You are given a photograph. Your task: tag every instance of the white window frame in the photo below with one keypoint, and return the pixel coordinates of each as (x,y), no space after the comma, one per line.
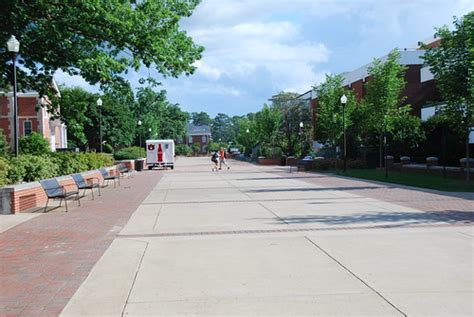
(24,127)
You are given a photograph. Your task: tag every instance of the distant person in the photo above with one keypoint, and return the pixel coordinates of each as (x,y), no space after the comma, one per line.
(222,158)
(215,160)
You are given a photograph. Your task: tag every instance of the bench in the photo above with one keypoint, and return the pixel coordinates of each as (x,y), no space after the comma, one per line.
(54,190)
(107,177)
(81,183)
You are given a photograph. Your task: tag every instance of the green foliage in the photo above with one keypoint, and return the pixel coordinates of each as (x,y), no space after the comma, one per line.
(324,164)
(35,144)
(30,168)
(213,146)
(195,148)
(330,123)
(98,40)
(183,149)
(201,118)
(4,169)
(4,148)
(130,153)
(452,64)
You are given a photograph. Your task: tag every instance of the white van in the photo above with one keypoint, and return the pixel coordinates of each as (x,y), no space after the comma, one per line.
(160,153)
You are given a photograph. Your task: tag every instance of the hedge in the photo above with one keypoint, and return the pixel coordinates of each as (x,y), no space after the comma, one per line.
(130,153)
(28,167)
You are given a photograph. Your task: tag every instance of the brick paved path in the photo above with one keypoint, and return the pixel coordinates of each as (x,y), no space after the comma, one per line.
(44,260)
(424,200)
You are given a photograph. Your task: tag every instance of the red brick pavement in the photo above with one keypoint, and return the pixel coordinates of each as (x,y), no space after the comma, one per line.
(429,201)
(44,261)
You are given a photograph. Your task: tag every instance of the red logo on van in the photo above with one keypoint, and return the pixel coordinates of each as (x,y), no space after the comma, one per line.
(160,153)
(151,147)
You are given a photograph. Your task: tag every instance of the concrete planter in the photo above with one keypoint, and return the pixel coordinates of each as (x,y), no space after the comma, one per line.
(463,163)
(389,161)
(405,160)
(268,161)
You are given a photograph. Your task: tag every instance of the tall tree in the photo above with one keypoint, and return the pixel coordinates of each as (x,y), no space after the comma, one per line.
(222,129)
(293,111)
(201,118)
(383,100)
(452,64)
(330,123)
(99,40)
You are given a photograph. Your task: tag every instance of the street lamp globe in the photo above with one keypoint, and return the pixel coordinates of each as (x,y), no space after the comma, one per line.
(99,102)
(139,122)
(13,44)
(247,130)
(301,124)
(343,99)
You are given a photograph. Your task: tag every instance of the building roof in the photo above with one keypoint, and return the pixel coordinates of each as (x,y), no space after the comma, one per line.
(199,129)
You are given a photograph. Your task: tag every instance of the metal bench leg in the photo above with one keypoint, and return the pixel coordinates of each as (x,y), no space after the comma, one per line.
(98,187)
(46,207)
(65,202)
(92,190)
(78,199)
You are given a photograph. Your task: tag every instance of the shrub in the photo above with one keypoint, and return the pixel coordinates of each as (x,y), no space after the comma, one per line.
(324,164)
(212,147)
(356,164)
(29,168)
(195,148)
(183,149)
(35,143)
(4,168)
(130,153)
(4,148)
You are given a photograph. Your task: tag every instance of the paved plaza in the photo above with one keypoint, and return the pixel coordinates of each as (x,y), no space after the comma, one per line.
(247,241)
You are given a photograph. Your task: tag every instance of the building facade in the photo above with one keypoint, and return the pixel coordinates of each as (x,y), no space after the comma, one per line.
(200,135)
(32,117)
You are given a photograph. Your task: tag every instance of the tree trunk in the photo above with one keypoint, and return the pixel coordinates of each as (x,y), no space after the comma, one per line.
(467,156)
(380,150)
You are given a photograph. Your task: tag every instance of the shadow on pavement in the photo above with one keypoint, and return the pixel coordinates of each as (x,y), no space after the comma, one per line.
(310,189)
(408,218)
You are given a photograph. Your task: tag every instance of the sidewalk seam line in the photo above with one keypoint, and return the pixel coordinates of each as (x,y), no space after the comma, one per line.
(134,279)
(356,276)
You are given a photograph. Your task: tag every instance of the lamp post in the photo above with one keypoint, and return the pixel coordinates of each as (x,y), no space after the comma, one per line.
(13,46)
(140,132)
(149,132)
(343,102)
(99,104)
(301,136)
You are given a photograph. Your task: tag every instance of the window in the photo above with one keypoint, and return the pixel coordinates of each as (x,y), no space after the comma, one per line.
(26,128)
(190,140)
(203,139)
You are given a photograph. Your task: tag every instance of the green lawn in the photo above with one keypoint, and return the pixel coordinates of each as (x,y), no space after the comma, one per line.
(424,181)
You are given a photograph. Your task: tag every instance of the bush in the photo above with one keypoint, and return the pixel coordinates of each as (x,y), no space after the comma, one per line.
(4,148)
(325,164)
(195,148)
(4,168)
(183,149)
(130,153)
(35,143)
(356,164)
(29,168)
(213,146)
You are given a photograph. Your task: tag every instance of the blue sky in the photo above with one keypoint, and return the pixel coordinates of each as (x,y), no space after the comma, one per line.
(257,48)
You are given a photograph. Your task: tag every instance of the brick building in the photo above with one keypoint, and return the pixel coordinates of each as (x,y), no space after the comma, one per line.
(200,135)
(420,90)
(32,117)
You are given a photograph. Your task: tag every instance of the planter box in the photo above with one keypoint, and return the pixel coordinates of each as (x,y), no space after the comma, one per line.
(268,161)
(28,196)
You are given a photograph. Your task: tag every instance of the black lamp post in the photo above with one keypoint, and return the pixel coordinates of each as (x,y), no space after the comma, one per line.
(14,47)
(343,102)
(302,138)
(140,132)
(99,104)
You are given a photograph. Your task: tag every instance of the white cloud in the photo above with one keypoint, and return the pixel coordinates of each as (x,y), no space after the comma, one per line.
(73,81)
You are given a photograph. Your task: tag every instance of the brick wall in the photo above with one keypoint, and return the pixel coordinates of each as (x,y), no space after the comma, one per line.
(24,197)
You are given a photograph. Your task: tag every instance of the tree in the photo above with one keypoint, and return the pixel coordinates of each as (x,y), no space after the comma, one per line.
(99,40)
(201,118)
(221,128)
(267,124)
(330,124)
(4,148)
(293,111)
(35,144)
(383,99)
(452,64)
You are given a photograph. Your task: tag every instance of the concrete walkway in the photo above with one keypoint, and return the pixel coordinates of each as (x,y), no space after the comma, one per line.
(254,241)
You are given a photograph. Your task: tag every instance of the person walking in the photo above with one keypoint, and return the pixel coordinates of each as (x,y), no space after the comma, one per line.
(222,159)
(215,160)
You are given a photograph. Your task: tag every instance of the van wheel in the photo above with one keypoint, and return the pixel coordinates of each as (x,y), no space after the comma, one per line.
(150,167)
(172,167)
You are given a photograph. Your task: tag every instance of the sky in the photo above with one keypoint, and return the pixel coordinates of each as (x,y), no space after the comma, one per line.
(257,48)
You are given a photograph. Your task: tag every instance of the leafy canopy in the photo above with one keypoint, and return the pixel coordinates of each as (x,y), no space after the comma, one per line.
(99,40)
